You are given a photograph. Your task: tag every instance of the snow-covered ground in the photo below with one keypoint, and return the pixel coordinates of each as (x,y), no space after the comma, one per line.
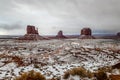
(54,57)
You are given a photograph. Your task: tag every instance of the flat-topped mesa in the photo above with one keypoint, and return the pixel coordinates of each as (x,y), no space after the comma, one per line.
(31,30)
(86,33)
(31,34)
(60,35)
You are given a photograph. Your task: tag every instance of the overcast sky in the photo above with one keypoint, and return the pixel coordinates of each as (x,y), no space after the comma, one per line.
(50,16)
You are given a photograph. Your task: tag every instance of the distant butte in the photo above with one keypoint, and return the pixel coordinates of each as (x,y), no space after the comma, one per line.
(31,34)
(86,33)
(31,30)
(118,34)
(60,35)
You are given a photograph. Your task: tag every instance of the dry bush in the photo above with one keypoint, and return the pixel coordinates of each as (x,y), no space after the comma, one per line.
(36,66)
(55,78)
(66,75)
(82,72)
(78,71)
(101,75)
(116,66)
(31,75)
(105,69)
(114,77)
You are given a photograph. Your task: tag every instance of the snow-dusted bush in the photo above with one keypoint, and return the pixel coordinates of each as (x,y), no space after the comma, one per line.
(106,69)
(31,75)
(101,75)
(81,72)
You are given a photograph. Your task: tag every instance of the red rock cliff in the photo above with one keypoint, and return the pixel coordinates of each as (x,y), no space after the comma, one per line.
(31,30)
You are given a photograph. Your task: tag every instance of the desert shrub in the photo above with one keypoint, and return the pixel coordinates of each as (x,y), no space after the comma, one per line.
(114,77)
(101,75)
(36,66)
(66,75)
(31,75)
(82,72)
(55,78)
(106,69)
(116,66)
(89,74)
(78,71)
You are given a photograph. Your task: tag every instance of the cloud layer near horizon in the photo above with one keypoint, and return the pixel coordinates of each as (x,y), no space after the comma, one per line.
(53,15)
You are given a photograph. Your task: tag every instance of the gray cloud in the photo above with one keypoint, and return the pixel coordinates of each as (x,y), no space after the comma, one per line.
(69,15)
(10,26)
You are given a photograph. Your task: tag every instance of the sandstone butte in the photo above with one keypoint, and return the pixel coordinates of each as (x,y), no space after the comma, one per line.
(60,35)
(86,33)
(31,34)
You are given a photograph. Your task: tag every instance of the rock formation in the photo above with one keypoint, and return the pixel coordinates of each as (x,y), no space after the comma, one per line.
(86,33)
(118,34)
(31,34)
(60,35)
(31,30)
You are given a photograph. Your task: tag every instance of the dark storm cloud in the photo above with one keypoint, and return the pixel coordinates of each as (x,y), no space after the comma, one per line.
(10,26)
(69,15)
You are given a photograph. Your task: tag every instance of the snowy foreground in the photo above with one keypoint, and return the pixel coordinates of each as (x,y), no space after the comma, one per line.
(54,57)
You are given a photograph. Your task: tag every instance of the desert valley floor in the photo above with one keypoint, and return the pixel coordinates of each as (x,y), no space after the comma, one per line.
(53,57)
